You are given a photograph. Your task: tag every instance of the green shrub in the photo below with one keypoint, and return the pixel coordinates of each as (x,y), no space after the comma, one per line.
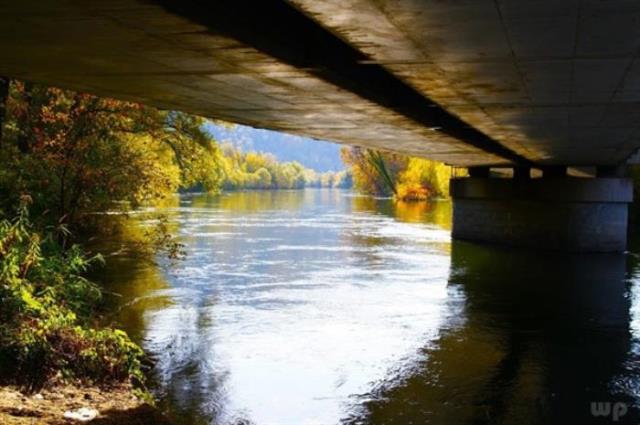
(46,308)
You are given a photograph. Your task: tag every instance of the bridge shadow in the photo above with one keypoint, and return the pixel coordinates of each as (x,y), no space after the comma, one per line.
(534,339)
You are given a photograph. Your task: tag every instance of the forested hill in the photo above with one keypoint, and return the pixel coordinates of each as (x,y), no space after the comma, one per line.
(314,154)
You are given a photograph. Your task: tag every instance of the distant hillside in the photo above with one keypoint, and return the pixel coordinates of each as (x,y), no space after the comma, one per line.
(314,154)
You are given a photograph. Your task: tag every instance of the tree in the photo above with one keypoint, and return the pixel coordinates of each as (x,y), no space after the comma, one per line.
(406,178)
(373,172)
(76,153)
(343,180)
(423,179)
(264,180)
(4,95)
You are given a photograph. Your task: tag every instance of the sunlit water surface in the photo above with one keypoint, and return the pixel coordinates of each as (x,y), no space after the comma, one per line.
(321,307)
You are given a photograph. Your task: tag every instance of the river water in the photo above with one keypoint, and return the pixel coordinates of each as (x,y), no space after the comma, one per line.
(321,307)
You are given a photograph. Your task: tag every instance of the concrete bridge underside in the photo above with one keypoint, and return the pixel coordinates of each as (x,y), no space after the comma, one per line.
(468,82)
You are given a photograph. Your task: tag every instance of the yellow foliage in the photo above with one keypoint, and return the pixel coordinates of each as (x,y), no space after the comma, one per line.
(407,178)
(423,179)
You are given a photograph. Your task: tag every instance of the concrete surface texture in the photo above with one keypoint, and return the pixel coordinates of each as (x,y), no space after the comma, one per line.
(467,82)
(563,214)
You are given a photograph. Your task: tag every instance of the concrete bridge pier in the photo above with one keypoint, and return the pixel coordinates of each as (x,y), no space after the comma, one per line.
(554,212)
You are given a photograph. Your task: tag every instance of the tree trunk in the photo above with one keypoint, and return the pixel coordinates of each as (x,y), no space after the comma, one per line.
(4,95)
(24,124)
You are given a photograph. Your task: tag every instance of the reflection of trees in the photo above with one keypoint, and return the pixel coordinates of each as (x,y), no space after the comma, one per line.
(379,214)
(431,212)
(252,201)
(133,234)
(130,284)
(541,337)
(191,385)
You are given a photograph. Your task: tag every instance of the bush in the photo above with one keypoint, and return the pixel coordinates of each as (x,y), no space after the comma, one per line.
(45,311)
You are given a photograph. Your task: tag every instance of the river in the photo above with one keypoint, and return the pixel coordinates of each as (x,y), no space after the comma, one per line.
(322,307)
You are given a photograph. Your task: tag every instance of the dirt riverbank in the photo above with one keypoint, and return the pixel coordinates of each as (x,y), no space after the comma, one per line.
(48,407)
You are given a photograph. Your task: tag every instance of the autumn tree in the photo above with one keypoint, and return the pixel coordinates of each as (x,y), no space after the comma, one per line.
(406,178)
(374,172)
(75,153)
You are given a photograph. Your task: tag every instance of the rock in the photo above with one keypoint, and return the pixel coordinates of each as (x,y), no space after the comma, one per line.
(84,414)
(38,397)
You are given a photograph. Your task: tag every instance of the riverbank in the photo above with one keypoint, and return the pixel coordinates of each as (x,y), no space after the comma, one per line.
(115,406)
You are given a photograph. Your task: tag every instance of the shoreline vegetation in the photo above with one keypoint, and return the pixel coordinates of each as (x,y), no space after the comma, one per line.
(403,178)
(65,156)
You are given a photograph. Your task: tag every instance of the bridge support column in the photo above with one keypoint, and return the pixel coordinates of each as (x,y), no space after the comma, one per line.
(565,214)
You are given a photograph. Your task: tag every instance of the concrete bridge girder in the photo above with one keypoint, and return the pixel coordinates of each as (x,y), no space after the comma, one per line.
(552,81)
(147,52)
(467,82)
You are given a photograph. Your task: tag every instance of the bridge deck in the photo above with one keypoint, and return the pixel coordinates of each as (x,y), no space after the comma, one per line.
(486,82)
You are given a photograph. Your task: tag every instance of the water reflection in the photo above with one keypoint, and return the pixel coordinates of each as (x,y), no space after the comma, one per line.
(281,311)
(539,337)
(320,307)
(437,212)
